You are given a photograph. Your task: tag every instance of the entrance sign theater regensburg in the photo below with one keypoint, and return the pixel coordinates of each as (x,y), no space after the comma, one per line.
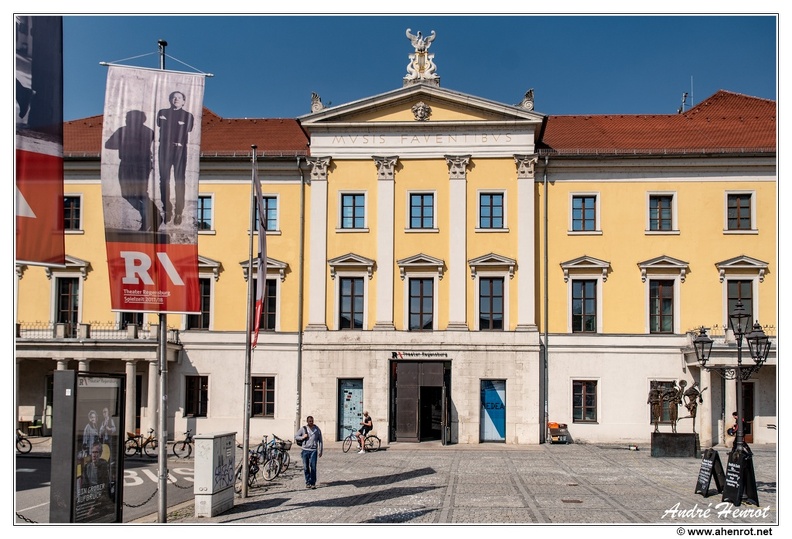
(466,270)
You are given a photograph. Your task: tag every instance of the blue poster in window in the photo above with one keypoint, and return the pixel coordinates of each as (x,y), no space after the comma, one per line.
(493,411)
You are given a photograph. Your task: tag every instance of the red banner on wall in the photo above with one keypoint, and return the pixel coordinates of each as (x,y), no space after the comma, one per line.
(39,140)
(150,164)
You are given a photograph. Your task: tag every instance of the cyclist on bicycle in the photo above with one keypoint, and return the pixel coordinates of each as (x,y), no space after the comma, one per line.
(364,430)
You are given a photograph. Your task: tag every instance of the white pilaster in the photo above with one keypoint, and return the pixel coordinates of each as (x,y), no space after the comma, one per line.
(129,405)
(385,212)
(317,278)
(457,249)
(704,421)
(83,365)
(153,399)
(526,289)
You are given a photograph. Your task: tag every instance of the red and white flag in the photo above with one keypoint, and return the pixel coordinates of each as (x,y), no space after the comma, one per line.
(151,143)
(261,274)
(39,140)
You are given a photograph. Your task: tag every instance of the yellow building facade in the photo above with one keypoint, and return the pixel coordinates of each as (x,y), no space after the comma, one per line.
(464,270)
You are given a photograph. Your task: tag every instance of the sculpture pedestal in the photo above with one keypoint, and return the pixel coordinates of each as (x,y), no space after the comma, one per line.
(674,444)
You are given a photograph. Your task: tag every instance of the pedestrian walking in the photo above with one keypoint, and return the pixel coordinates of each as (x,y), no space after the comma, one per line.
(312,446)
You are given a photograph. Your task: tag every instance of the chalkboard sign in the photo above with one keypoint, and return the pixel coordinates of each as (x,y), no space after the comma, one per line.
(740,479)
(710,467)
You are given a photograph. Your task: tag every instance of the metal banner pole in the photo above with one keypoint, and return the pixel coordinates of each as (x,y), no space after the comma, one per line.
(163,389)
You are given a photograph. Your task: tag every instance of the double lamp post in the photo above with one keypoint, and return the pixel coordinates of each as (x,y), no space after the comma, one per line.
(758,346)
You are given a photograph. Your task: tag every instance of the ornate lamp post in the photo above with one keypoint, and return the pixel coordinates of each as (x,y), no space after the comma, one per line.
(758,346)
(740,479)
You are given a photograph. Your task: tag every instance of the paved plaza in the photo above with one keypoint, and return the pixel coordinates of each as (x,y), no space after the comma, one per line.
(498,484)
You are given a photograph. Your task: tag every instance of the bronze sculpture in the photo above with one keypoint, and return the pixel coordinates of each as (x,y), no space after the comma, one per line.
(655,401)
(673,396)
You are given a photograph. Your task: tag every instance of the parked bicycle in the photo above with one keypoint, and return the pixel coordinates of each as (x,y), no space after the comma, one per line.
(253,469)
(136,444)
(183,448)
(276,450)
(23,445)
(371,442)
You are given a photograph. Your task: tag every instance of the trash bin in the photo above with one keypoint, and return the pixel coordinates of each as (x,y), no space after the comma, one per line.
(559,433)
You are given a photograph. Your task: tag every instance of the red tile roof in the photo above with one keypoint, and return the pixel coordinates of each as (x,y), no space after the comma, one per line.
(726,122)
(219,136)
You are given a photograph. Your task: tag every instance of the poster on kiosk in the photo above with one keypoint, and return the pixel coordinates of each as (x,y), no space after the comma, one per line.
(98,457)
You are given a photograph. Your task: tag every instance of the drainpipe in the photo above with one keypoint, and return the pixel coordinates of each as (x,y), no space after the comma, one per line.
(546,381)
(300,292)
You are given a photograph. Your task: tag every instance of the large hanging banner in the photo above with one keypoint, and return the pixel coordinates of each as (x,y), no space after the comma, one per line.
(150,163)
(39,140)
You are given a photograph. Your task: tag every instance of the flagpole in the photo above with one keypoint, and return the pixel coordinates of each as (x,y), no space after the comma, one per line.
(249,325)
(163,389)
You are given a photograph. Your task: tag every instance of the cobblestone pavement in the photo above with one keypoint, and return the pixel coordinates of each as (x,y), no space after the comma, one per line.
(496,484)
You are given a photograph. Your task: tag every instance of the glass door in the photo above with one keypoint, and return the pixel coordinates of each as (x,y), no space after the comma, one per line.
(493,411)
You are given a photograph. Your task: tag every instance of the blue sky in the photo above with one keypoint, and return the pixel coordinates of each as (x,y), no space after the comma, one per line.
(268,65)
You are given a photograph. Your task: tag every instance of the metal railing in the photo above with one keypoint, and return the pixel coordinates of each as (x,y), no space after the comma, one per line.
(105,331)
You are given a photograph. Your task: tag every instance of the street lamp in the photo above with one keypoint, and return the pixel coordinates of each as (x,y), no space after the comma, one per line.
(758,346)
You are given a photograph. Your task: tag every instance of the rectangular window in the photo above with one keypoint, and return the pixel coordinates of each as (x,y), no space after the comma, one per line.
(196,396)
(584,401)
(421,304)
(201,321)
(204,213)
(584,213)
(491,303)
(739,211)
(271,211)
(491,210)
(584,306)
(268,311)
(68,289)
(661,306)
(128,319)
(740,291)
(350,311)
(353,211)
(263,397)
(421,210)
(661,212)
(71,212)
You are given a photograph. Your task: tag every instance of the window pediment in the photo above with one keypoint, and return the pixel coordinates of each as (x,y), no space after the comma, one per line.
(350,262)
(420,262)
(72,264)
(208,264)
(586,263)
(273,265)
(742,262)
(492,261)
(663,263)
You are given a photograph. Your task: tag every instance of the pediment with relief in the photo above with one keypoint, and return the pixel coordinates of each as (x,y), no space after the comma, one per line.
(397,106)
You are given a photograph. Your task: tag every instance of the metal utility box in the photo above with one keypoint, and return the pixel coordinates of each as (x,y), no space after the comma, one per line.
(215,460)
